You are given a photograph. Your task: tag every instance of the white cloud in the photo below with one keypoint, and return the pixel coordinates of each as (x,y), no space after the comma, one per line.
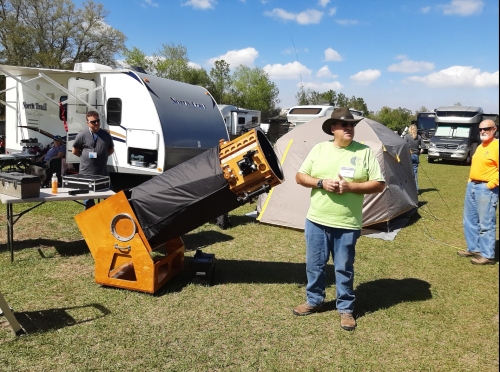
(200,4)
(309,16)
(194,65)
(410,67)
(151,3)
(401,56)
(324,72)
(346,22)
(323,3)
(425,9)
(366,76)
(459,76)
(463,7)
(235,58)
(332,55)
(321,87)
(332,11)
(292,70)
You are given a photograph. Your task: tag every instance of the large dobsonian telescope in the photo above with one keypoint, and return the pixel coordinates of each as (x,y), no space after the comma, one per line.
(134,236)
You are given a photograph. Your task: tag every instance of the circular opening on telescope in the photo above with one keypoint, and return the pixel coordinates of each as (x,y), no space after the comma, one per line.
(270,155)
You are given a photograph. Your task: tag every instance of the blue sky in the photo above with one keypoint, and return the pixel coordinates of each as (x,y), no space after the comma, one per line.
(396,53)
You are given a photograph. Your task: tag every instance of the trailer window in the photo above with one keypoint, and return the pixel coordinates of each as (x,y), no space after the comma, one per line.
(255,120)
(83,94)
(114,111)
(241,120)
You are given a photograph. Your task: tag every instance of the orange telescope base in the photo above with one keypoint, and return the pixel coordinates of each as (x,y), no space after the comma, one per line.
(123,257)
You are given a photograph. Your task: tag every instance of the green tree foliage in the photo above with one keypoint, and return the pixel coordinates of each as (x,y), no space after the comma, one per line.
(312,97)
(220,78)
(394,119)
(330,97)
(171,62)
(252,89)
(56,34)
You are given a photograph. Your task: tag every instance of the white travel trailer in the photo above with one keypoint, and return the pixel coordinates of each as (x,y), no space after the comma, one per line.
(239,120)
(155,123)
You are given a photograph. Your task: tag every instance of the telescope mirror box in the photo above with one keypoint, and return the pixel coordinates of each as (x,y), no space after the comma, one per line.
(203,268)
(85,182)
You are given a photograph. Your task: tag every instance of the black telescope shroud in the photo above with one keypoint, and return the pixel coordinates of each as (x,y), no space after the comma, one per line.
(183,198)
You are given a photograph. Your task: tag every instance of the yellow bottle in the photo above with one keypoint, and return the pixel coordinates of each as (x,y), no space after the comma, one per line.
(54,183)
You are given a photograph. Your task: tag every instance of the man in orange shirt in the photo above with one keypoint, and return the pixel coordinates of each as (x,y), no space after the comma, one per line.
(481,199)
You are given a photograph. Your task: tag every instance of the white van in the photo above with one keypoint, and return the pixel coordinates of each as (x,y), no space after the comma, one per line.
(299,115)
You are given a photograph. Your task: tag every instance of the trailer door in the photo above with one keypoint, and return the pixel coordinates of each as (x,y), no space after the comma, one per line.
(77,110)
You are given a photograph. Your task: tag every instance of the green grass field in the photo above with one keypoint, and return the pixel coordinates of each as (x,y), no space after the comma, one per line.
(420,307)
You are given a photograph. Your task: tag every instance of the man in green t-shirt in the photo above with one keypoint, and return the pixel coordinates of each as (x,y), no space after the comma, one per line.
(339,172)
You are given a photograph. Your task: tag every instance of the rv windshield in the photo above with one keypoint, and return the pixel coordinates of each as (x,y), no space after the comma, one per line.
(426,123)
(452,130)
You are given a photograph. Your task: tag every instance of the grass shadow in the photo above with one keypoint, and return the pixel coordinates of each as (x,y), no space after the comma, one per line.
(383,293)
(53,319)
(66,249)
(422,191)
(198,240)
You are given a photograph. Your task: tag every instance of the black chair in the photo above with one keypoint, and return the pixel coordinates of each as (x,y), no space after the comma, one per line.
(45,173)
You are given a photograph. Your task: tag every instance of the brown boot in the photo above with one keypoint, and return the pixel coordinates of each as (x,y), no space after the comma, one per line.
(469,254)
(306,309)
(347,321)
(482,261)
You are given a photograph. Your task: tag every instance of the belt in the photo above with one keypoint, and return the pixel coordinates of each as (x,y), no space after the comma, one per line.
(475,182)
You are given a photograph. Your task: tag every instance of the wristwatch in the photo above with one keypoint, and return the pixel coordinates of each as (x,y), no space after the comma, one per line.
(320,184)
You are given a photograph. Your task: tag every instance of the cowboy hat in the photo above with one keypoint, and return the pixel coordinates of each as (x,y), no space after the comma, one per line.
(339,114)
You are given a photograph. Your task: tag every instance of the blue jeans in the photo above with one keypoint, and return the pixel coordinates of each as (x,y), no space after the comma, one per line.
(414,162)
(480,219)
(321,241)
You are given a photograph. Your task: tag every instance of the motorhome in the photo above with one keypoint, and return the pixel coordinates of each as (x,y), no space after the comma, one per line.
(239,120)
(299,115)
(155,123)
(457,135)
(426,127)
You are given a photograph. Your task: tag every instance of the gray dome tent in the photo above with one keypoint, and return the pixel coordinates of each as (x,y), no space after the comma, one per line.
(287,204)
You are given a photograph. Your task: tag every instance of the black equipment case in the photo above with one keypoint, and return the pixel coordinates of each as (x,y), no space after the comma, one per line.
(203,268)
(21,185)
(85,182)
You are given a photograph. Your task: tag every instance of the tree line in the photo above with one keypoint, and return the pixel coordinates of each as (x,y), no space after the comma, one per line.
(57,34)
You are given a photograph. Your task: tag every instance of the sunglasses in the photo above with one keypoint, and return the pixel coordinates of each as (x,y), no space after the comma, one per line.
(487,129)
(93,122)
(345,125)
